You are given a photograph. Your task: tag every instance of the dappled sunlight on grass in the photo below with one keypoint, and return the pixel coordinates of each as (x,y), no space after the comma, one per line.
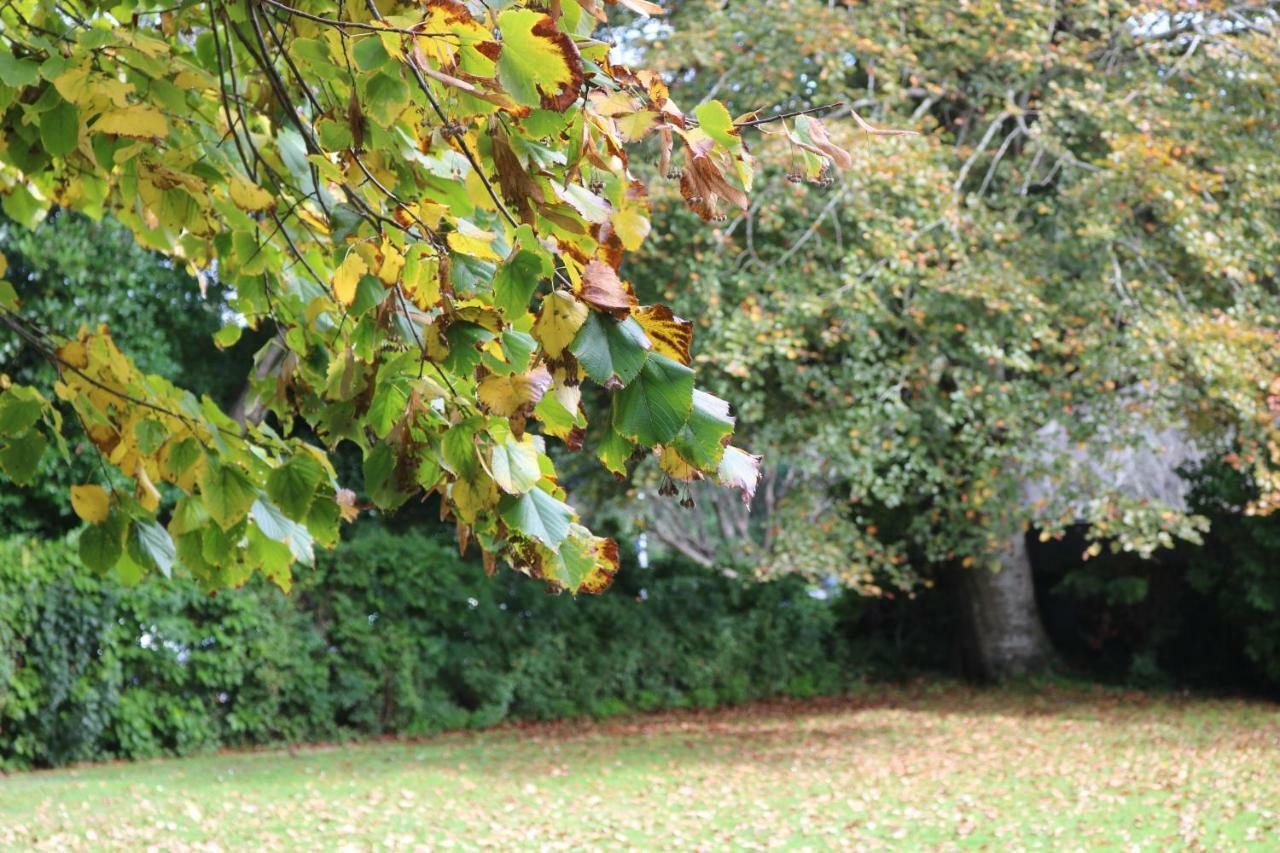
(923,765)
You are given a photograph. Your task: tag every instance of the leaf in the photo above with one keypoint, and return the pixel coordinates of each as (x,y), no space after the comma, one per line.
(739,470)
(102,545)
(670,335)
(15,72)
(20,457)
(656,404)
(275,525)
(611,352)
(558,322)
(505,395)
(60,129)
(715,121)
(91,503)
(155,543)
(347,276)
(249,196)
(602,288)
(537,515)
(515,464)
(614,451)
(632,226)
(292,486)
(135,122)
(515,282)
(386,97)
(539,65)
(644,7)
(811,130)
(228,494)
(20,408)
(588,563)
(702,440)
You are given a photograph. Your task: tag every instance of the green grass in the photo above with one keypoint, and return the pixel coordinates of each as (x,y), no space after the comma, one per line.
(935,766)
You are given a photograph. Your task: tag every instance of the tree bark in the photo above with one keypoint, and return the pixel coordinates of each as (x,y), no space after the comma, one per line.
(1005,637)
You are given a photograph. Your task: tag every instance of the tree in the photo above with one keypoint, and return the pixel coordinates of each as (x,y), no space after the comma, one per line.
(1080,250)
(424,205)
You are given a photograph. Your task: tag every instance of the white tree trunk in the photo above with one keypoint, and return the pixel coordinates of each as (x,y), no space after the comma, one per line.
(1006,637)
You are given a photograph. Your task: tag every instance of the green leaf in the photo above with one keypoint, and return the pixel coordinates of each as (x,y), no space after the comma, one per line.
(386,97)
(292,486)
(515,282)
(20,205)
(656,404)
(387,406)
(380,477)
(150,435)
(20,408)
(614,451)
(15,72)
(102,544)
(537,515)
(716,122)
(20,457)
(228,494)
(611,352)
(701,441)
(275,525)
(60,129)
(369,53)
(151,541)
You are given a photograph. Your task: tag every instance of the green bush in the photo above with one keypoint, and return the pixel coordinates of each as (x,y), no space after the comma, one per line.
(391,634)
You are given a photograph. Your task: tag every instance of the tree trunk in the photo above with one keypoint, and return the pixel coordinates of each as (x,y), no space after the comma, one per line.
(1005,638)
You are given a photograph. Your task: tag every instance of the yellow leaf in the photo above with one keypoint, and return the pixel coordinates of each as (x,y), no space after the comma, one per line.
(146,491)
(671,335)
(136,122)
(392,263)
(558,322)
(506,395)
(347,276)
(632,226)
(476,244)
(91,503)
(250,196)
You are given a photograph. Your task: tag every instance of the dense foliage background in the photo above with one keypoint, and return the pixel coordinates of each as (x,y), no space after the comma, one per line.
(395,634)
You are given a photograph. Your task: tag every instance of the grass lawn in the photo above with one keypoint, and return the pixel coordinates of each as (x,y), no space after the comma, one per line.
(938,766)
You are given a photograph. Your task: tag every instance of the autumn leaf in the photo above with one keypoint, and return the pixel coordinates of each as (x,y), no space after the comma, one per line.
(539,65)
(602,288)
(669,334)
(347,276)
(558,322)
(137,122)
(91,503)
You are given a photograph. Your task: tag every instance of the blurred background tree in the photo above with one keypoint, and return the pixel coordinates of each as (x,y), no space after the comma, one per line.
(1024,319)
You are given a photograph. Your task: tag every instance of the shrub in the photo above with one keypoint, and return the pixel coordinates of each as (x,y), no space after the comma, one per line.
(391,634)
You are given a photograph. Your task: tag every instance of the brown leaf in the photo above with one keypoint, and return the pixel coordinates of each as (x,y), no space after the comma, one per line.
(838,156)
(518,187)
(602,288)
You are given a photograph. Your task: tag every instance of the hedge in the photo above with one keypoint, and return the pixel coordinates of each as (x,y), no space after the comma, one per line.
(391,634)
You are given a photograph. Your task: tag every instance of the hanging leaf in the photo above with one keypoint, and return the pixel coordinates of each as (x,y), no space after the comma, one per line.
(611,352)
(656,404)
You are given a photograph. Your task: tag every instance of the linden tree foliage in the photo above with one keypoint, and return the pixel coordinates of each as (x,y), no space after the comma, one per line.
(1074,260)
(425,205)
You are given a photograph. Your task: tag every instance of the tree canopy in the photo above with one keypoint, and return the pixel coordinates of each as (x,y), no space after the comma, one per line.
(1074,260)
(424,205)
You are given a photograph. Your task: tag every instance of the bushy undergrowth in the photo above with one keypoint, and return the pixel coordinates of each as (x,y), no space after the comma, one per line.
(391,634)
